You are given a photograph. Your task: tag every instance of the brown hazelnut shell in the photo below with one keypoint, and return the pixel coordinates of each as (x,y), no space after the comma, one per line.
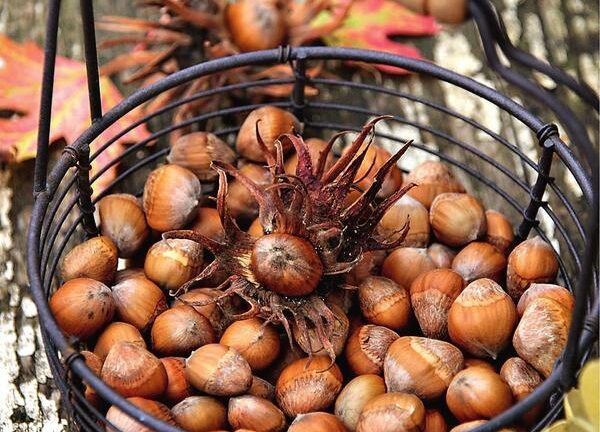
(432,178)
(480,260)
(522,380)
(355,395)
(251,412)
(82,307)
(95,258)
(499,231)
(178,387)
(457,219)
(257,341)
(407,208)
(553,292)
(405,264)
(383,302)
(127,424)
(391,412)
(366,348)
(171,263)
(122,219)
(171,197)
(139,301)
(114,333)
(317,422)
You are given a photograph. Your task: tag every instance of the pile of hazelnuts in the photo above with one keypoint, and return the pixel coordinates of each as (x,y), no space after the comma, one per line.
(442,333)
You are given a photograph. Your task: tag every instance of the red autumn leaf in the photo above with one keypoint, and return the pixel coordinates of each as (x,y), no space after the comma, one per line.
(370,24)
(20,88)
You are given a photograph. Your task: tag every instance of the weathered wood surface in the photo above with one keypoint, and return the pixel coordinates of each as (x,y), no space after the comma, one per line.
(564,32)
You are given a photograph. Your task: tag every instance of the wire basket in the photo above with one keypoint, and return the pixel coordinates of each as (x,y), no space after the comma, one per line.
(56,222)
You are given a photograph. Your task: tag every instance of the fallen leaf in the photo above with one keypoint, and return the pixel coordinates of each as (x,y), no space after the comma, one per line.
(370,24)
(20,88)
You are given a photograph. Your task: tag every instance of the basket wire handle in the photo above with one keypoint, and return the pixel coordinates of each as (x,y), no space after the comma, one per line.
(80,158)
(493,36)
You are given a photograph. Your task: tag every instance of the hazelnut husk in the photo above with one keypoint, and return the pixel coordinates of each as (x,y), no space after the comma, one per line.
(178,387)
(251,412)
(553,292)
(499,231)
(383,302)
(310,342)
(431,296)
(218,370)
(482,319)
(480,260)
(441,255)
(122,219)
(315,147)
(257,341)
(270,122)
(208,223)
(125,423)
(532,261)
(317,422)
(171,197)
(457,219)
(180,330)
(405,264)
(308,385)
(374,159)
(522,380)
(392,412)
(171,263)
(406,208)
(366,348)
(542,334)
(95,258)
(200,414)
(117,332)
(432,178)
(82,307)
(197,150)
(421,366)
(132,370)
(240,203)
(478,393)
(355,395)
(138,301)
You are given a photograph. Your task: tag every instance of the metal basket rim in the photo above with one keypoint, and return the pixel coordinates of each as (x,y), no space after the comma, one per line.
(281,55)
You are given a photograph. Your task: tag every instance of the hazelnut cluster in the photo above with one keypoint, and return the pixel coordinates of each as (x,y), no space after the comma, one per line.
(363,301)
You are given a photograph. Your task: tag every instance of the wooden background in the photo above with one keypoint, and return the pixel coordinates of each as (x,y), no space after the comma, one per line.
(564,32)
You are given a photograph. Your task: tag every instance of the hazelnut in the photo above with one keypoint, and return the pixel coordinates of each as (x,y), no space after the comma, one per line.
(391,412)
(542,334)
(257,341)
(366,348)
(384,302)
(482,319)
(208,223)
(171,263)
(432,178)
(421,366)
(139,301)
(480,260)
(179,331)
(432,295)
(203,300)
(218,370)
(123,221)
(171,197)
(407,208)
(125,423)
(403,265)
(435,421)
(82,307)
(271,122)
(531,261)
(200,414)
(553,292)
(355,395)
(262,388)
(308,385)
(317,422)
(499,231)
(477,393)
(197,150)
(114,333)
(522,380)
(95,258)
(178,387)
(132,370)
(457,219)
(441,255)
(251,412)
